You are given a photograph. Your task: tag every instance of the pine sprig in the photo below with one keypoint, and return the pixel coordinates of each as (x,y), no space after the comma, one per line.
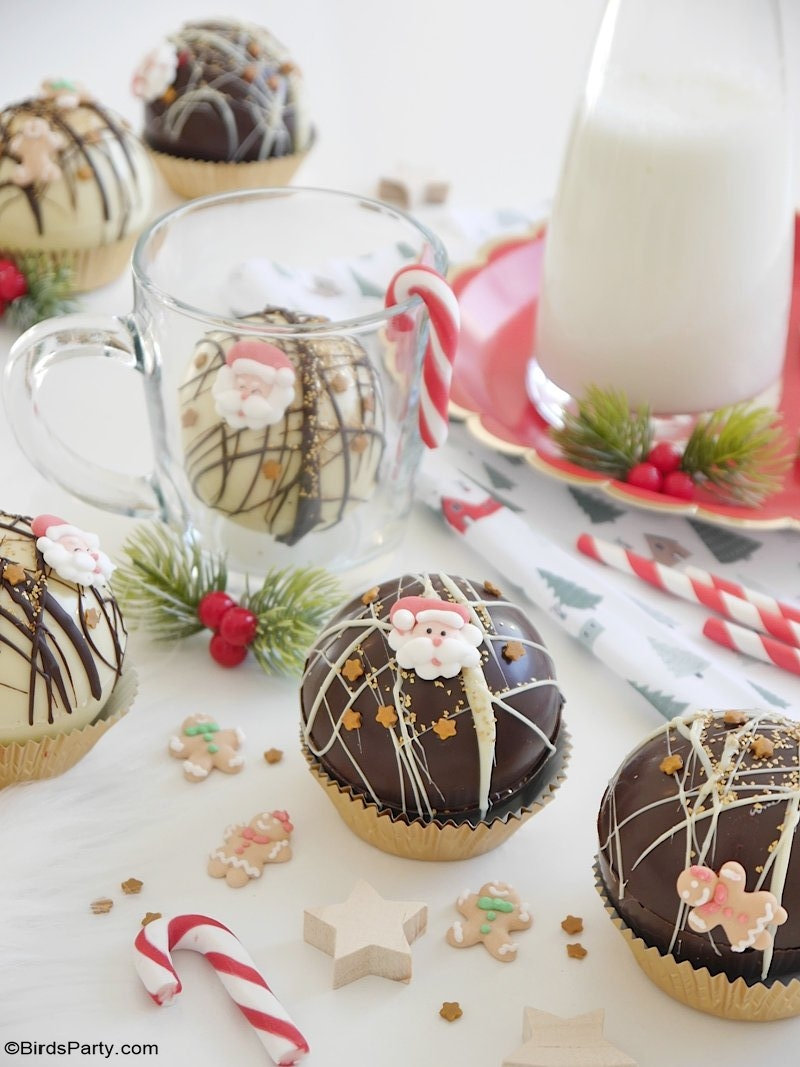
(291,606)
(49,292)
(738,453)
(163,581)
(605,434)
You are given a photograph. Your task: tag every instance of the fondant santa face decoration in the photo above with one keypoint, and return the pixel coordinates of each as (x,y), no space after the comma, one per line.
(73,554)
(433,637)
(255,387)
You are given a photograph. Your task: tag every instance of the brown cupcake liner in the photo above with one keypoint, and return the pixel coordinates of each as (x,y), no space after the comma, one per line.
(437,841)
(90,267)
(47,757)
(191,178)
(715,994)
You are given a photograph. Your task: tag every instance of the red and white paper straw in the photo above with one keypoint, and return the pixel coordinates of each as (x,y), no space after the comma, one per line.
(763,601)
(440,351)
(758,646)
(235,969)
(680,585)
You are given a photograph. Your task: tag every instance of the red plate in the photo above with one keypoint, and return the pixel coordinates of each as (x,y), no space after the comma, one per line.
(498,296)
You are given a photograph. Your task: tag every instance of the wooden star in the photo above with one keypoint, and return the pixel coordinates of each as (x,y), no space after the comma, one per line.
(351,720)
(271,469)
(444,728)
(512,651)
(366,934)
(352,669)
(550,1041)
(386,716)
(131,886)
(92,617)
(762,747)
(573,924)
(671,764)
(14,573)
(189,417)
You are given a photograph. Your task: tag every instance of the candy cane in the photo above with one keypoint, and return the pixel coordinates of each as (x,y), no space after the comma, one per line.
(235,968)
(440,351)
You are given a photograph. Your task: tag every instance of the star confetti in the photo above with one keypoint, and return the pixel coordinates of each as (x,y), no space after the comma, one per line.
(451,1010)
(271,469)
(131,886)
(102,906)
(150,917)
(386,716)
(762,747)
(444,728)
(92,618)
(273,755)
(671,764)
(352,669)
(550,1041)
(576,951)
(366,934)
(14,573)
(512,651)
(351,720)
(573,924)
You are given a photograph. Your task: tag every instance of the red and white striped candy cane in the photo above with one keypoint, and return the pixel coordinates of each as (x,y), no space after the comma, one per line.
(235,969)
(677,583)
(440,351)
(759,646)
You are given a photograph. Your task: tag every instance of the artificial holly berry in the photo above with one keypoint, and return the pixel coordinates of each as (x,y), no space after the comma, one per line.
(665,457)
(645,476)
(679,484)
(13,283)
(239,626)
(226,654)
(212,607)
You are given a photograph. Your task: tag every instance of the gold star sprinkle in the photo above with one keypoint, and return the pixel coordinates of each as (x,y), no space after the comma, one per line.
(762,747)
(14,573)
(169,95)
(359,443)
(576,951)
(271,469)
(451,1010)
(444,728)
(352,669)
(491,589)
(351,720)
(189,417)
(340,382)
(92,618)
(273,755)
(131,886)
(671,764)
(150,917)
(734,718)
(370,595)
(200,360)
(386,716)
(573,924)
(513,651)
(102,906)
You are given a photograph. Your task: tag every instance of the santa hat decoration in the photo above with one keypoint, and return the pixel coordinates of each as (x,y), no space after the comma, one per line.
(410,610)
(55,528)
(265,360)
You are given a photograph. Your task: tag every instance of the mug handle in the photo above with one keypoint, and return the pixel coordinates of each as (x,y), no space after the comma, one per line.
(56,341)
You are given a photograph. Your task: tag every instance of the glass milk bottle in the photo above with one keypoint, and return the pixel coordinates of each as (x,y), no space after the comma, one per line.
(668,262)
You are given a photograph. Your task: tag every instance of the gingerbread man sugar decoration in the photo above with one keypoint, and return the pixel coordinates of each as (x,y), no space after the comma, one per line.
(37,146)
(202,746)
(248,849)
(722,900)
(491,915)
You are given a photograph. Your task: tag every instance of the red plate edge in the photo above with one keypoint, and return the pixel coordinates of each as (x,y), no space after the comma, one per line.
(497,295)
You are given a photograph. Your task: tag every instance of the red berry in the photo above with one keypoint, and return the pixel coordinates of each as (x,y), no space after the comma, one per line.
(226,654)
(665,457)
(212,607)
(239,626)
(12,281)
(645,476)
(680,484)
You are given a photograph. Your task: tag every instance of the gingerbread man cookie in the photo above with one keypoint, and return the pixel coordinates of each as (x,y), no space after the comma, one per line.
(36,145)
(203,746)
(722,900)
(491,915)
(248,848)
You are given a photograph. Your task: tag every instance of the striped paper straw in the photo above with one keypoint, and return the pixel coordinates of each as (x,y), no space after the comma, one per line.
(757,646)
(763,601)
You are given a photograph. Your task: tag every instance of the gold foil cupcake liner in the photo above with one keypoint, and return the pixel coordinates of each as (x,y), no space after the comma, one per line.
(191,178)
(90,267)
(47,757)
(715,994)
(436,841)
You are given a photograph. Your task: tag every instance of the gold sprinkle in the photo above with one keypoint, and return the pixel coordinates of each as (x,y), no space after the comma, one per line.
(131,886)
(189,417)
(370,595)
(254,49)
(451,1010)
(573,924)
(576,951)
(386,715)
(351,720)
(169,94)
(444,728)
(359,443)
(512,651)
(92,618)
(671,764)
(14,573)
(200,360)
(271,469)
(734,718)
(352,669)
(250,72)
(150,917)
(762,747)
(273,81)
(102,906)
(273,755)
(340,382)
(84,173)
(286,67)
(491,589)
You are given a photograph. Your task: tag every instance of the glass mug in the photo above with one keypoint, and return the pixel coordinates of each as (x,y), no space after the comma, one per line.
(668,261)
(282,397)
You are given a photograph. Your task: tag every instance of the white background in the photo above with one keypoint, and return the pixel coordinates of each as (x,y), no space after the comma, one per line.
(481,95)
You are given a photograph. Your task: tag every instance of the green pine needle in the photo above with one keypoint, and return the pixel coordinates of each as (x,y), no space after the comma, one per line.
(605,435)
(738,453)
(291,606)
(49,293)
(164,580)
